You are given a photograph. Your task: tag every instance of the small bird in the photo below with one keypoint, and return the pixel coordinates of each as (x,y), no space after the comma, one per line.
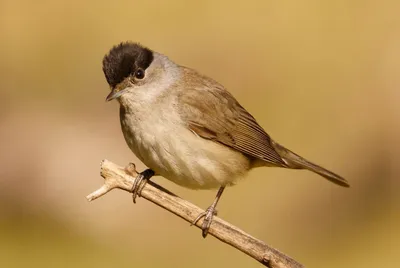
(187,127)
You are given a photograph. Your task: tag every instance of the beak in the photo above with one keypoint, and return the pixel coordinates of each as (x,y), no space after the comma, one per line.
(115,93)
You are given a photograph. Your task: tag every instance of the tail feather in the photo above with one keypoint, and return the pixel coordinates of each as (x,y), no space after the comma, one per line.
(297,162)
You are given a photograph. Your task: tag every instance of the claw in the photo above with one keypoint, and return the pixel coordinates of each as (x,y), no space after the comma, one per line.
(208,217)
(140,182)
(201,215)
(209,214)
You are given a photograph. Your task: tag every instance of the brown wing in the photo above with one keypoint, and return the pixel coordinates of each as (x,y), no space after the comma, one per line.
(213,113)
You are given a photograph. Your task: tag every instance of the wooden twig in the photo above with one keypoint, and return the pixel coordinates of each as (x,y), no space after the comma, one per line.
(117,177)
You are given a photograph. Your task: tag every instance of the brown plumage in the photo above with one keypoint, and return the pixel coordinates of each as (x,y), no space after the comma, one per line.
(187,127)
(212,113)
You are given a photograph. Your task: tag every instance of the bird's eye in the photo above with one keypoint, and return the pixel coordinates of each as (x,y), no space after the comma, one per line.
(139,74)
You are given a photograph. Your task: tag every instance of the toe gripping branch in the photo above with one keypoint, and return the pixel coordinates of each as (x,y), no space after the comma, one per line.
(140,181)
(118,177)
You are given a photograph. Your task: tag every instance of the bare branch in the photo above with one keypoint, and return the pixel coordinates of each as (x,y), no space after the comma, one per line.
(116,177)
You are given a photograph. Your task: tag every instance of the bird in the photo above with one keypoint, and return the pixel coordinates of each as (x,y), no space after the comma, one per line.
(188,128)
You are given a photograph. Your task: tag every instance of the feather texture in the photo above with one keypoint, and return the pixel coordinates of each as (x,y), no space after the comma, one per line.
(213,113)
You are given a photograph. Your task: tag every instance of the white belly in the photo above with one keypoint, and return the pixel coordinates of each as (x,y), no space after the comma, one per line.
(174,152)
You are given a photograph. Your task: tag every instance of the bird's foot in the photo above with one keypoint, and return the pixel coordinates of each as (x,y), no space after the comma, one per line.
(140,181)
(208,217)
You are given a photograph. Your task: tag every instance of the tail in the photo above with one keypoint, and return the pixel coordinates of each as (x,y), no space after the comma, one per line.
(297,162)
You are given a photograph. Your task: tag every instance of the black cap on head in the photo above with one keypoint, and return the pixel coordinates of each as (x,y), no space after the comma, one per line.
(124,59)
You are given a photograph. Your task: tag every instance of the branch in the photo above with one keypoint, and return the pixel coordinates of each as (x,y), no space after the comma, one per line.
(116,177)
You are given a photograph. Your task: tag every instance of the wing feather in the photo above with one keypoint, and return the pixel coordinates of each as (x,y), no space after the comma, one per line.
(213,113)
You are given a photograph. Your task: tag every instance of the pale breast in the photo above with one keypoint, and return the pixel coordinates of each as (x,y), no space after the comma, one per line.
(174,152)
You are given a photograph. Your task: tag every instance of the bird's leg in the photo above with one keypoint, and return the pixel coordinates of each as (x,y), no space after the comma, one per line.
(209,213)
(140,181)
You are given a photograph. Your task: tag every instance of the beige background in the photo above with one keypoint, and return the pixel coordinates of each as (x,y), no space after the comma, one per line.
(322,77)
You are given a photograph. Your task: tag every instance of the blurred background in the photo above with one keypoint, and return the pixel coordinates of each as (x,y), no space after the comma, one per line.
(321,77)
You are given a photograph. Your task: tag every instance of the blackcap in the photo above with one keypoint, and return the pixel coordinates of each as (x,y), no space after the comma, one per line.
(187,127)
